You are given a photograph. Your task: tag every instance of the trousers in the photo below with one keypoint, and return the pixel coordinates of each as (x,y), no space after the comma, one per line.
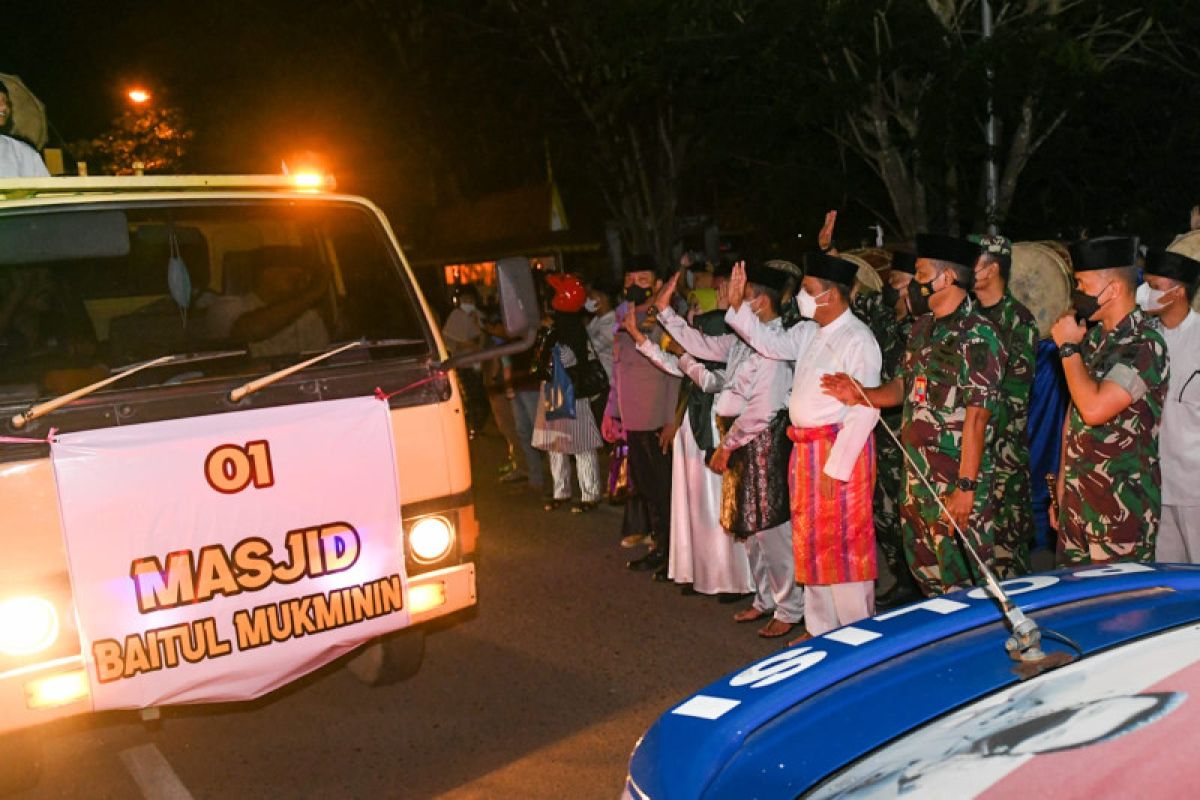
(587,465)
(774,570)
(650,471)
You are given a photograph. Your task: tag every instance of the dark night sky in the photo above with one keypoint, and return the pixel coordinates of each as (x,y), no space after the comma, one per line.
(253,84)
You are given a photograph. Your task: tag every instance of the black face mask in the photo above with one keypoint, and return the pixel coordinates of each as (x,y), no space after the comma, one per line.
(1085,305)
(918,296)
(637,294)
(891,295)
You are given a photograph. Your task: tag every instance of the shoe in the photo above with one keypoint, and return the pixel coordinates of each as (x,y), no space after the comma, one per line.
(900,594)
(661,575)
(804,637)
(516,476)
(553,503)
(583,507)
(687,590)
(652,560)
(776,628)
(725,598)
(507,469)
(633,540)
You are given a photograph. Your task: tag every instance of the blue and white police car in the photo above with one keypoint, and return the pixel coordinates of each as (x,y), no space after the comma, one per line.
(941,699)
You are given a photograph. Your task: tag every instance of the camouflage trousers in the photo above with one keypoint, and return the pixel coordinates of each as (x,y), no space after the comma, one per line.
(1014,522)
(1099,522)
(939,561)
(889,490)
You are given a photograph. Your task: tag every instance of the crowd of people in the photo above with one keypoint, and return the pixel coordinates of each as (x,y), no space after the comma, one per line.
(772,425)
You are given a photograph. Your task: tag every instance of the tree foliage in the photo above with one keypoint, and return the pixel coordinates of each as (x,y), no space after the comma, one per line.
(152,138)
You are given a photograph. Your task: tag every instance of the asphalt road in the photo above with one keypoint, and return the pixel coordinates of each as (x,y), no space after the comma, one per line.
(542,691)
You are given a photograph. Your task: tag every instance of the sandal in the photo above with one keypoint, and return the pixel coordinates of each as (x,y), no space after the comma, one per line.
(776,628)
(751,614)
(553,504)
(584,507)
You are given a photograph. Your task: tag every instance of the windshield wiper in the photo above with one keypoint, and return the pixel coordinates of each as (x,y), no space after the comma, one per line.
(253,386)
(183,358)
(370,344)
(42,409)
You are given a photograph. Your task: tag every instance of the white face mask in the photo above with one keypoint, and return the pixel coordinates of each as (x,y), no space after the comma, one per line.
(1149,298)
(467,307)
(807,303)
(591,305)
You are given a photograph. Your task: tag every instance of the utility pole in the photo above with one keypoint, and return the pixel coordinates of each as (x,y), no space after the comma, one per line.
(993,172)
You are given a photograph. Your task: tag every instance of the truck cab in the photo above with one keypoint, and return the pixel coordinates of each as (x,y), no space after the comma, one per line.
(192,297)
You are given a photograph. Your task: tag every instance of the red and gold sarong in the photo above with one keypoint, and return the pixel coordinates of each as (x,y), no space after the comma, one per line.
(833,538)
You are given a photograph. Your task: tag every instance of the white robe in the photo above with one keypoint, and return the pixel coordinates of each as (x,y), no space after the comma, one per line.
(702,553)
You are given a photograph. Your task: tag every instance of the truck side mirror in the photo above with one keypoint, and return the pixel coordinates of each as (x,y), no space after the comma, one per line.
(518,300)
(518,311)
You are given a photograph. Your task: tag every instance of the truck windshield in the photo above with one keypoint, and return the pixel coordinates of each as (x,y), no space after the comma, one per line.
(277,279)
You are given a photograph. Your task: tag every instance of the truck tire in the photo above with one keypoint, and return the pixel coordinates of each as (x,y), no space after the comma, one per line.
(389,659)
(20,762)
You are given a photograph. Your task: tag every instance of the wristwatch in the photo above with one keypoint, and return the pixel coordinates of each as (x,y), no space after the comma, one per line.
(1068,349)
(966,484)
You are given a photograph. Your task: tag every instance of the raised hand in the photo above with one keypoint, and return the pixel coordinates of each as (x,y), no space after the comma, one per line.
(825,237)
(735,288)
(663,301)
(630,324)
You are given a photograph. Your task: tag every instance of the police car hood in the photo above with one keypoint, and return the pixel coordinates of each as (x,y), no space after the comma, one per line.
(785,722)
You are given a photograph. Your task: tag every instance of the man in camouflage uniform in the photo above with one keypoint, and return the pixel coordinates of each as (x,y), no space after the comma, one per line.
(886,313)
(949,389)
(1018,335)
(1109,485)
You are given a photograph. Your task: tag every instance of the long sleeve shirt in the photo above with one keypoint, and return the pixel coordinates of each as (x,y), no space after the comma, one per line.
(754,388)
(642,396)
(844,345)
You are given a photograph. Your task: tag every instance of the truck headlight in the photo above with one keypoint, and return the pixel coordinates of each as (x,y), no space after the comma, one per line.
(430,539)
(27,625)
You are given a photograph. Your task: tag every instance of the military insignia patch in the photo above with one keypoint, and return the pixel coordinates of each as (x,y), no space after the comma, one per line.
(920,389)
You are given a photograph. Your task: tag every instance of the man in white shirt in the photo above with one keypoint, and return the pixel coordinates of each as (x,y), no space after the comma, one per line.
(753,448)
(278,316)
(833,463)
(1170,287)
(17,159)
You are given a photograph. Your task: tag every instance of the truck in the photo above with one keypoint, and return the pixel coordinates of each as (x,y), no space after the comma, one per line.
(155,309)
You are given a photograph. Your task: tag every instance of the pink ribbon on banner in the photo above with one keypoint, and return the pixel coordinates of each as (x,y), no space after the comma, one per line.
(25,440)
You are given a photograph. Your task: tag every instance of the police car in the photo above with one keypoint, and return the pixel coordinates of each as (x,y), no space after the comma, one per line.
(926,701)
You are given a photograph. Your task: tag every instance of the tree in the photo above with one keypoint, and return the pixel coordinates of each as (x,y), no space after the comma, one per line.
(151,137)
(908,80)
(630,70)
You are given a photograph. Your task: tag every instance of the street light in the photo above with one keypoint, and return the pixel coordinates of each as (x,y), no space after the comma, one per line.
(138,96)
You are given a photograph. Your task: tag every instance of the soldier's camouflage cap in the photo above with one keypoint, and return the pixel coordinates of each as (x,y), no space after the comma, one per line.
(992,244)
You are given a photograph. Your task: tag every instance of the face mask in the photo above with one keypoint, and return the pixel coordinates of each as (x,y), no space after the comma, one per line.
(1149,298)
(1085,305)
(918,296)
(591,305)
(890,295)
(807,303)
(467,307)
(637,294)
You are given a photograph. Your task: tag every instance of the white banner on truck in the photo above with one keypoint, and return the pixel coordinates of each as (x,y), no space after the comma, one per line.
(217,558)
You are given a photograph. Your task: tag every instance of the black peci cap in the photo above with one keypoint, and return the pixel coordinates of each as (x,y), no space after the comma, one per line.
(1104,252)
(905,262)
(947,248)
(831,268)
(1166,264)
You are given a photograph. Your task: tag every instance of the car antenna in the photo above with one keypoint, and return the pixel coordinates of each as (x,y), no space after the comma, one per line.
(1024,644)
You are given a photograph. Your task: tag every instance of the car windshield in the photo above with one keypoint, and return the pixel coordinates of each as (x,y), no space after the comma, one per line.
(250,285)
(1057,730)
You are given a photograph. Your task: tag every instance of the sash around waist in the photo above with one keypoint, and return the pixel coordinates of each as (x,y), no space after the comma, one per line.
(818,433)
